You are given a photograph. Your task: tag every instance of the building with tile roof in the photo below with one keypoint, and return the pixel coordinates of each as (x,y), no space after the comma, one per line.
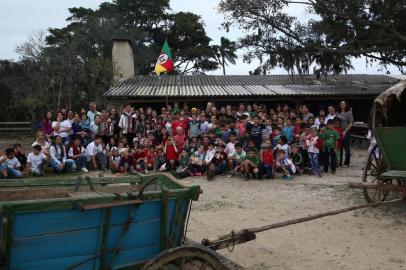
(233,89)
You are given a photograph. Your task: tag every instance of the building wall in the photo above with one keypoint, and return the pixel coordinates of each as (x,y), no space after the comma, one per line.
(123,59)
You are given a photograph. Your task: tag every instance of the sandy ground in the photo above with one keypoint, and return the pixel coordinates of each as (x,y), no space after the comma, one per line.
(368,239)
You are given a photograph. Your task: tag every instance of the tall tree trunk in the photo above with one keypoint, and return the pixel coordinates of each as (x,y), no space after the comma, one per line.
(223,64)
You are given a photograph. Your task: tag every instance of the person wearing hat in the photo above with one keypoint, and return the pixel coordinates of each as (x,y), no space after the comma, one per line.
(266,164)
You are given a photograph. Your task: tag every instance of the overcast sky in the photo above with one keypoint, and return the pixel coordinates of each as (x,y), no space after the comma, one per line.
(19,18)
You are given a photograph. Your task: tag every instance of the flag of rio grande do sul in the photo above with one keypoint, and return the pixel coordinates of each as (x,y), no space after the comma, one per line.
(165,61)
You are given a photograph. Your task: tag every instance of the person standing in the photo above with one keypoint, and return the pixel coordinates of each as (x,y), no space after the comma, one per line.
(91,114)
(128,124)
(331,113)
(115,120)
(62,127)
(46,125)
(347,119)
(306,113)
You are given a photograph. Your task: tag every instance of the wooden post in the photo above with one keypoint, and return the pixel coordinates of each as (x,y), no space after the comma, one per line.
(231,236)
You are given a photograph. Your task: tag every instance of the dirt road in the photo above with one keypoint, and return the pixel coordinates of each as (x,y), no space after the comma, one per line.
(372,239)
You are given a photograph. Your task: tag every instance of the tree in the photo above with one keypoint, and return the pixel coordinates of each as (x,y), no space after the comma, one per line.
(337,31)
(90,32)
(225,53)
(190,44)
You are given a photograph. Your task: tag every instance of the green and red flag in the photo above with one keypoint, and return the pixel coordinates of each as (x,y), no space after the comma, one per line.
(165,60)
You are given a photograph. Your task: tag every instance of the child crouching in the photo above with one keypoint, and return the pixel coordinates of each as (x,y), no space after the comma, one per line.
(284,165)
(250,165)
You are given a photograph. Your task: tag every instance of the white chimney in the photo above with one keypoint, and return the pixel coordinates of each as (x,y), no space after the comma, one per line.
(123,59)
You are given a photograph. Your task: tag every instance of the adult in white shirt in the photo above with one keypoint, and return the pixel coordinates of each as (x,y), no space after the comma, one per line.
(331,113)
(91,114)
(96,153)
(41,141)
(62,128)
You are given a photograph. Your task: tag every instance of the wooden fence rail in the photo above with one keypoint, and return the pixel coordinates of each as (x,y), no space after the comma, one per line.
(15,127)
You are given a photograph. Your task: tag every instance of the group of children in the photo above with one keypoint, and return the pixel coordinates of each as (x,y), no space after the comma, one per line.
(186,142)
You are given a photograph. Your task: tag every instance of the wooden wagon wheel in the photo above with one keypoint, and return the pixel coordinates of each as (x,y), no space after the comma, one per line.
(186,258)
(374,167)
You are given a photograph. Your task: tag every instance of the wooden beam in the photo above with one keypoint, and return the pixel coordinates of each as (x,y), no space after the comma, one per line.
(213,241)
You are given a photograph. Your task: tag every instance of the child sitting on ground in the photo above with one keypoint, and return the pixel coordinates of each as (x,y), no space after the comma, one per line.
(114,160)
(236,159)
(182,171)
(267,161)
(77,153)
(140,159)
(218,164)
(126,162)
(20,155)
(296,158)
(171,154)
(36,162)
(285,165)
(197,163)
(151,157)
(250,166)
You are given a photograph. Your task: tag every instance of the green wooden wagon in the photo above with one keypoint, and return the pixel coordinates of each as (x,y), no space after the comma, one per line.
(120,223)
(384,175)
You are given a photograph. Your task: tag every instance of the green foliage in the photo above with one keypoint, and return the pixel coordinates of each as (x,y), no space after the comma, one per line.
(225,53)
(72,65)
(338,30)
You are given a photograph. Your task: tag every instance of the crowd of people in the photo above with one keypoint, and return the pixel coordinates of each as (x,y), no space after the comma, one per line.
(249,140)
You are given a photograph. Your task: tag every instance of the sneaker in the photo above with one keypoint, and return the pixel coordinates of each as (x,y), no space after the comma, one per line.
(210,175)
(287,177)
(84,169)
(247,177)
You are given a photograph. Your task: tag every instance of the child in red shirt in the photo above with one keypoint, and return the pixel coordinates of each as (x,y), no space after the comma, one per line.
(180,138)
(266,161)
(151,157)
(171,153)
(140,159)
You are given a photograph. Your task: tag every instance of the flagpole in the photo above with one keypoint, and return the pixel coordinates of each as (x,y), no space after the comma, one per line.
(166,95)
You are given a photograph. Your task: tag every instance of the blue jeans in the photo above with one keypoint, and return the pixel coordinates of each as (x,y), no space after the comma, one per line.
(221,167)
(314,162)
(81,162)
(70,166)
(14,173)
(265,169)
